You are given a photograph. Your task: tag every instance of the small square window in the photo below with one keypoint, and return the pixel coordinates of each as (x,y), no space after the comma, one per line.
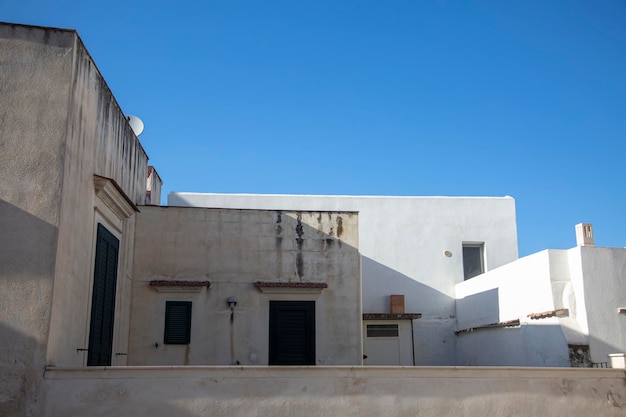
(177,322)
(473,260)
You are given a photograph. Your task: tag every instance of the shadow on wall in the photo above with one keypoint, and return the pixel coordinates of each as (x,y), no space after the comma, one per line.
(380,281)
(23,243)
(478,309)
(525,345)
(434,342)
(529,344)
(27,254)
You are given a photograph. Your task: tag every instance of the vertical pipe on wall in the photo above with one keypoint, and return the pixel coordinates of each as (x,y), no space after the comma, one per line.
(413,340)
(232,336)
(232,302)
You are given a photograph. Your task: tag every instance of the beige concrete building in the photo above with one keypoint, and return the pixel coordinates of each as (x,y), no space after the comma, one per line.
(292,270)
(72,175)
(112,306)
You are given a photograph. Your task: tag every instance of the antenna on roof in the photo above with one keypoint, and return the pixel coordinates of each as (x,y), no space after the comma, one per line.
(136,124)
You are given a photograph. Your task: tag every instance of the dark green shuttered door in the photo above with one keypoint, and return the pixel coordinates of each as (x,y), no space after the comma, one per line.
(103,299)
(292,333)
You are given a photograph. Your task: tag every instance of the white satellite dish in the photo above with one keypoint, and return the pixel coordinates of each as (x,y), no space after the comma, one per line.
(136,124)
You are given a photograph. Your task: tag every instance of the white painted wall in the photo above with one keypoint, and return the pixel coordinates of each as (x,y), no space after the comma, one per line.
(587,281)
(402,242)
(604,281)
(530,344)
(533,284)
(507,293)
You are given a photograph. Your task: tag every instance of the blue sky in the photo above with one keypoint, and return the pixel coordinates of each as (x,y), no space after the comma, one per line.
(480,98)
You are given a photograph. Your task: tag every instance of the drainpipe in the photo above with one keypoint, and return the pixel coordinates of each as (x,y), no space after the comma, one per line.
(232,302)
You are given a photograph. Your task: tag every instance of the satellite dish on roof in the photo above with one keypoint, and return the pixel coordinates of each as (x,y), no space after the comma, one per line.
(136,124)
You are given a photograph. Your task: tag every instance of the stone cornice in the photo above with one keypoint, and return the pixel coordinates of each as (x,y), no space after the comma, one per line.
(179,286)
(386,316)
(290,287)
(114,197)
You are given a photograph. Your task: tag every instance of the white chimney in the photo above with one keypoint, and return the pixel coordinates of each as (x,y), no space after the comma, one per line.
(584,234)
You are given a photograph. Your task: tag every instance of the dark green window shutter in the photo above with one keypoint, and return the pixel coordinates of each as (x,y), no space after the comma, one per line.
(177,322)
(103,299)
(292,333)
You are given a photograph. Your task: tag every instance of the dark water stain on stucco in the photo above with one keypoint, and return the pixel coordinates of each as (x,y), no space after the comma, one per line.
(299,227)
(612,400)
(299,265)
(279,230)
(279,244)
(299,244)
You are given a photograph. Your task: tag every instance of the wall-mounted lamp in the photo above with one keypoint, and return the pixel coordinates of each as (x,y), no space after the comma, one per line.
(232,302)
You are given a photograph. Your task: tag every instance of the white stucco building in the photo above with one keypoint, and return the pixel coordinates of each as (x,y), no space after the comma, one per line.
(454,259)
(552,308)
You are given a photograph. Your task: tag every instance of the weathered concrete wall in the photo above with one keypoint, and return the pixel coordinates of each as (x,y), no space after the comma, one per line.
(334,391)
(99,141)
(59,126)
(233,249)
(153,187)
(35,80)
(402,241)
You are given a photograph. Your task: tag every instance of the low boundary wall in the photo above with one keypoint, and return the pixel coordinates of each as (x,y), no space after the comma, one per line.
(333,391)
